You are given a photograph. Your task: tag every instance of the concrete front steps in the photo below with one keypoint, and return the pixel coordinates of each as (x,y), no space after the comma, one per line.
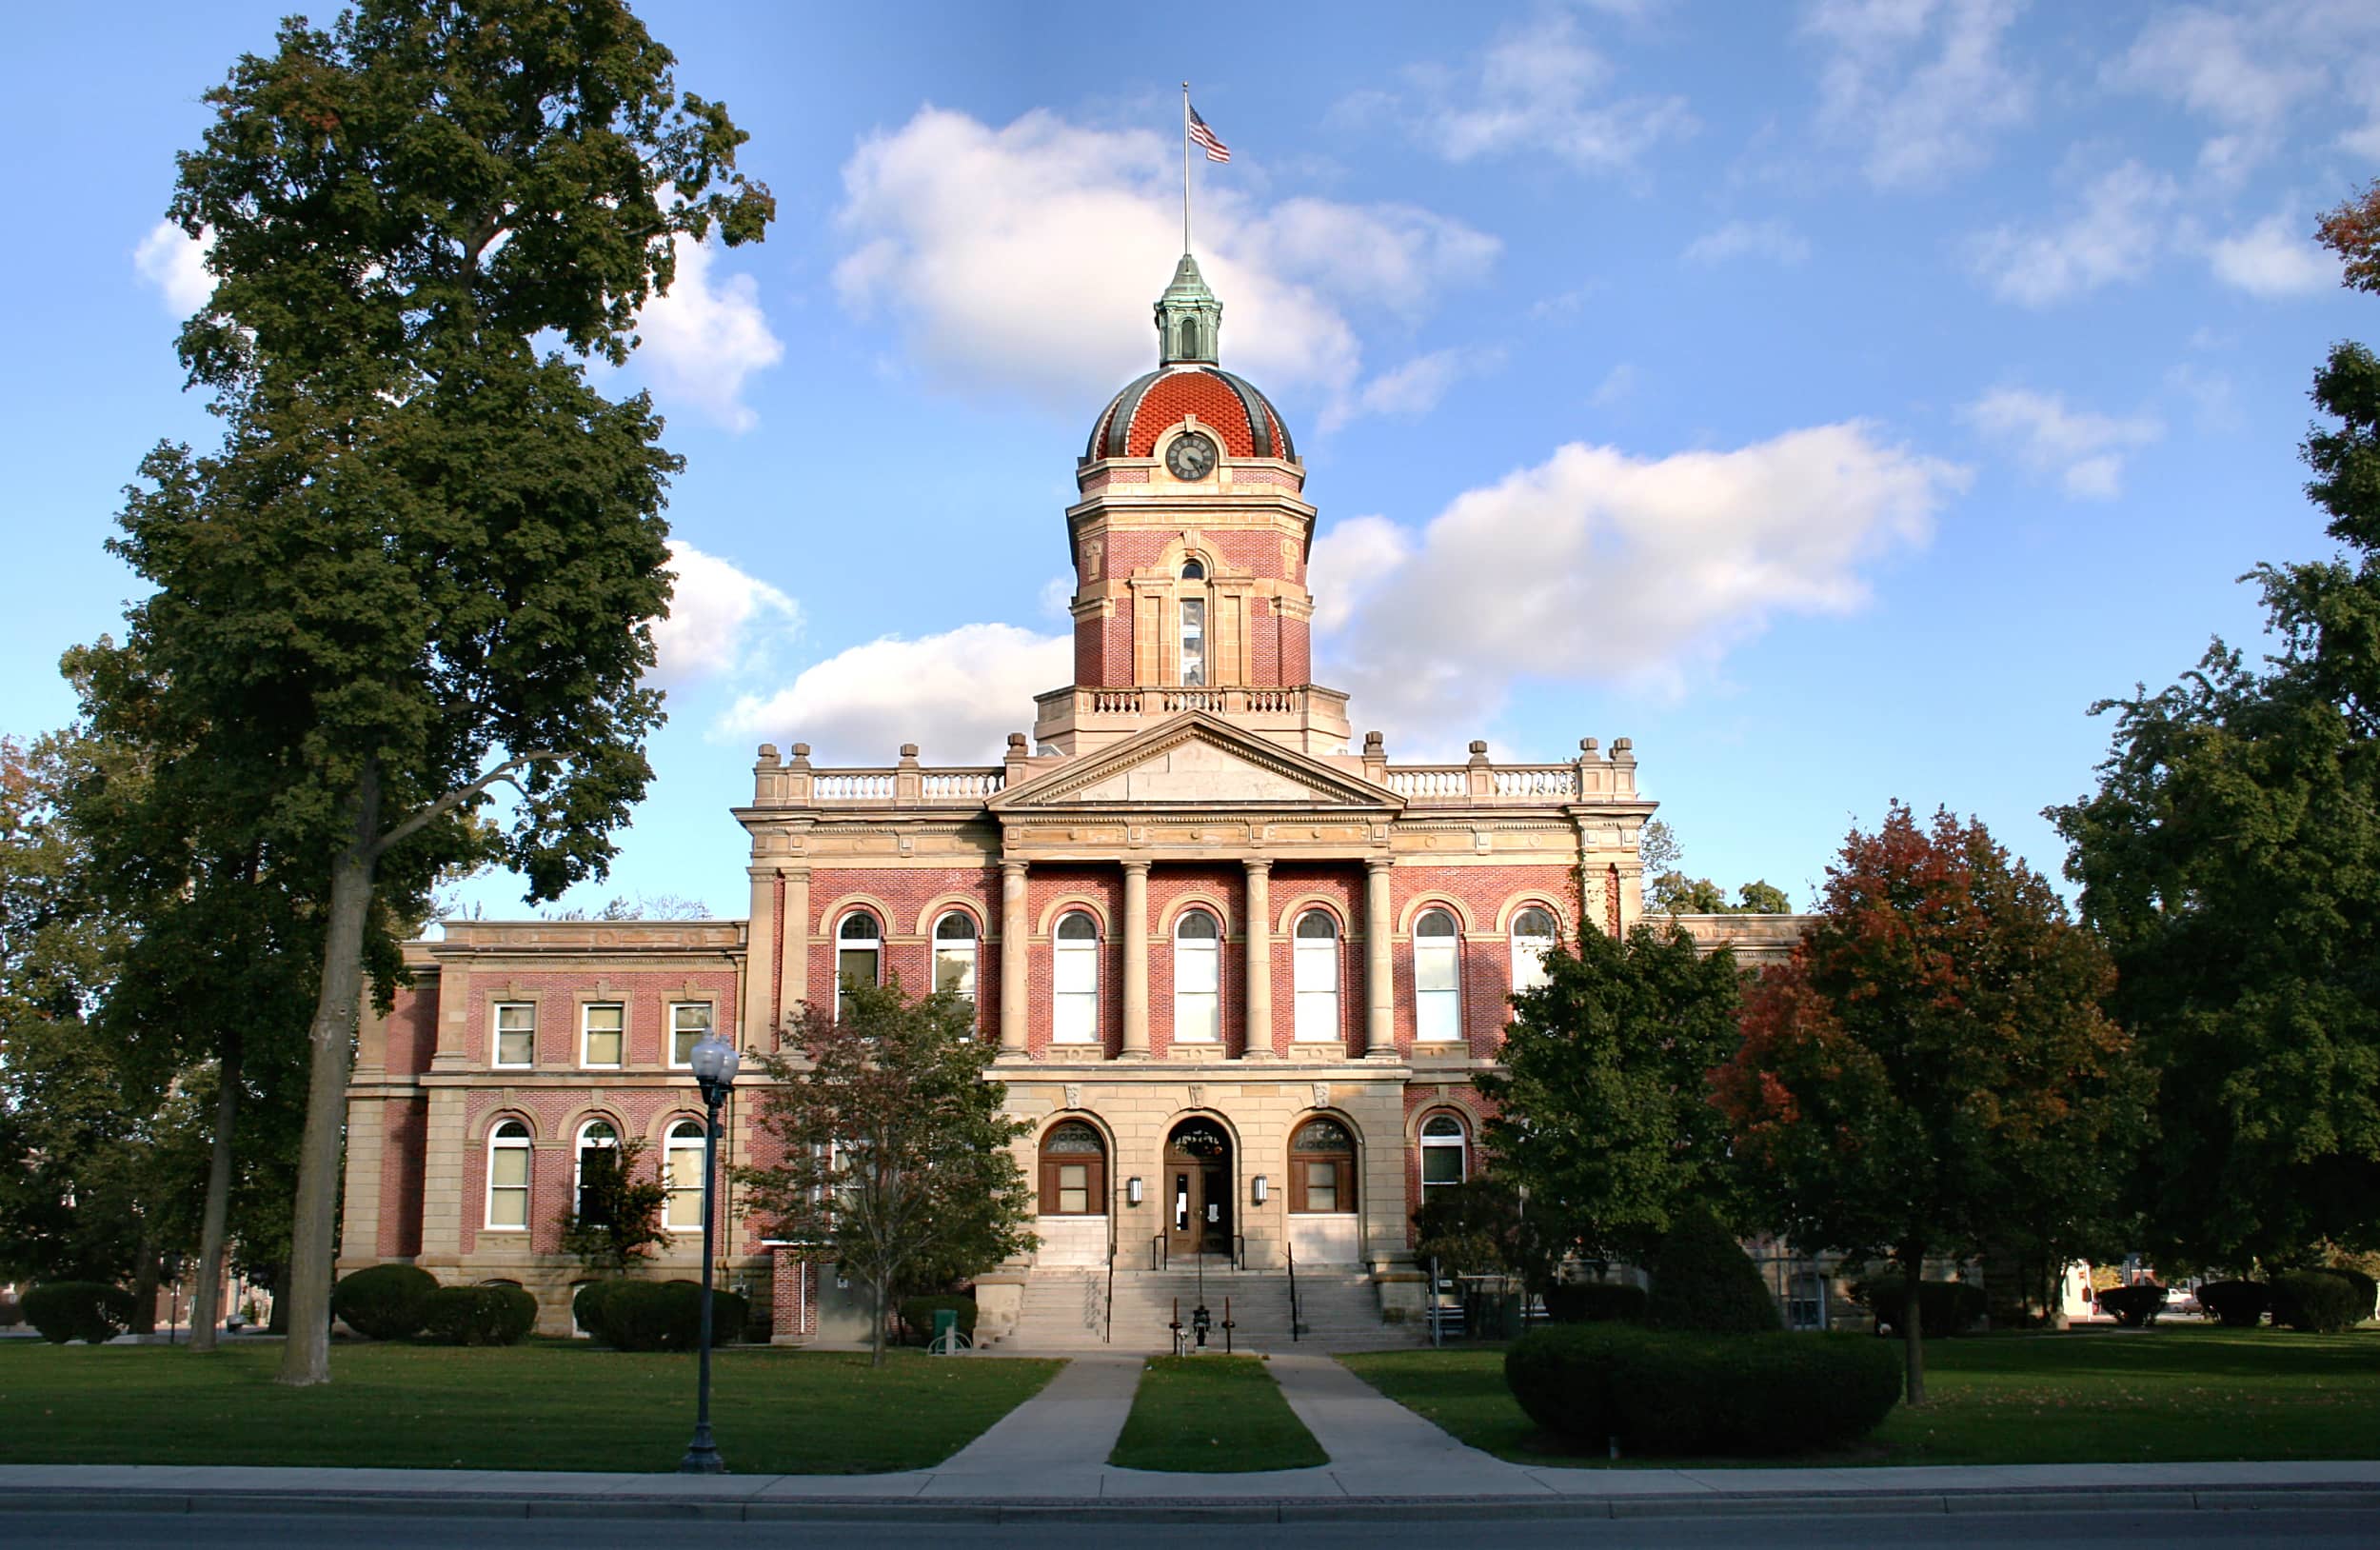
(1063,1311)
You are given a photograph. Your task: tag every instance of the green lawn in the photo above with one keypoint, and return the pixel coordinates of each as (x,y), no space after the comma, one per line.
(1214,1414)
(2090,1397)
(544,1406)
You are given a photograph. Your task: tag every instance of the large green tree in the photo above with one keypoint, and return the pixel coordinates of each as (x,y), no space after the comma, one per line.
(1602,1106)
(1933,1071)
(425,560)
(891,1151)
(2231,856)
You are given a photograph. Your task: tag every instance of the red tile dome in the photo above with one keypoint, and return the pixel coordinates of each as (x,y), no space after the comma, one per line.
(1242,418)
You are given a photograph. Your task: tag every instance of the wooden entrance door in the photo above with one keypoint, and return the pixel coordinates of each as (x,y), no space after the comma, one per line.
(1197,1188)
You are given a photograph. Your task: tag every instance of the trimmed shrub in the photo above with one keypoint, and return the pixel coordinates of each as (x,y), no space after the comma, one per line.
(1704,1281)
(2322,1302)
(657,1315)
(10,1315)
(1667,1393)
(916,1316)
(479,1315)
(1945,1307)
(2237,1304)
(386,1302)
(2367,1289)
(78,1310)
(1595,1303)
(2135,1307)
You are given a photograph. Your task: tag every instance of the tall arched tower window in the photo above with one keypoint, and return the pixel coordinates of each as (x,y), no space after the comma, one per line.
(1193,627)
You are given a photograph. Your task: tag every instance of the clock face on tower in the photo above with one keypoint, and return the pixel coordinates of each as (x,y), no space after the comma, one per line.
(1192,456)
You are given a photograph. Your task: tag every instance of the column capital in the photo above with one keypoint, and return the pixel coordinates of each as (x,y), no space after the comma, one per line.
(1256,863)
(1014,866)
(1379,863)
(1133,867)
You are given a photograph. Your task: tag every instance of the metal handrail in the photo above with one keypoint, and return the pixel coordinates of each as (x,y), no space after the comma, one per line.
(1296,1317)
(1107,1318)
(1159,1259)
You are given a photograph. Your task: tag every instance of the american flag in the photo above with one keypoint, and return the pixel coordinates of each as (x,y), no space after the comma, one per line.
(1216,149)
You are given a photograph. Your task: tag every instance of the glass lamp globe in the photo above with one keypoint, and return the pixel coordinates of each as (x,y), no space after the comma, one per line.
(714,1060)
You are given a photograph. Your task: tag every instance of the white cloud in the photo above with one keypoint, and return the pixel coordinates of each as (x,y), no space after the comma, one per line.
(1537,88)
(2114,236)
(1414,388)
(705,338)
(176,263)
(1616,384)
(1921,84)
(966,689)
(1596,565)
(1024,259)
(2083,449)
(1772,239)
(2273,258)
(2232,69)
(722,620)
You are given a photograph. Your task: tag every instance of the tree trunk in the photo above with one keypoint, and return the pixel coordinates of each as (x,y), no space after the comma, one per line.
(884,1311)
(306,1360)
(145,1284)
(1914,1321)
(206,1297)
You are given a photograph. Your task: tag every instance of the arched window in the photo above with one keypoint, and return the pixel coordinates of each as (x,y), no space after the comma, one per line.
(953,954)
(1193,642)
(1445,1153)
(598,1157)
(1437,979)
(1197,979)
(682,1176)
(1193,570)
(1189,337)
(508,1176)
(1533,937)
(859,955)
(1074,1171)
(1314,965)
(1322,1169)
(1075,980)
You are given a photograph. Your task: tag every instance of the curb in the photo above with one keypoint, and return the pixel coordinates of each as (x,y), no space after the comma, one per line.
(2327,1498)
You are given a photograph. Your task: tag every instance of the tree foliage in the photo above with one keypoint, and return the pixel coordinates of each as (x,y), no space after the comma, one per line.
(615,1220)
(892,1151)
(1668,889)
(2231,856)
(1933,1069)
(1602,1110)
(425,559)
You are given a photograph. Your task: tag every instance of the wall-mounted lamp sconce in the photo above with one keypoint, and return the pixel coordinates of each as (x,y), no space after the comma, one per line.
(1262,1187)
(1132,1190)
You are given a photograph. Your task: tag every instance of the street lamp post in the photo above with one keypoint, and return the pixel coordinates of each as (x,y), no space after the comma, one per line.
(714,1060)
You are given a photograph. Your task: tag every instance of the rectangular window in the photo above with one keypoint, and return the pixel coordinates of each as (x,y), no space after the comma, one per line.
(1441,1166)
(690,1025)
(604,1040)
(508,1186)
(1075,984)
(954,969)
(683,1200)
(516,1034)
(1074,1188)
(1322,1187)
(1194,641)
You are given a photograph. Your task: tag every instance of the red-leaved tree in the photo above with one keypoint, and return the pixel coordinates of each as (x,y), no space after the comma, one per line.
(1931,1071)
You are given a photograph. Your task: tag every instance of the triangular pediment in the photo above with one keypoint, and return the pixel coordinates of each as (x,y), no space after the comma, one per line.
(1197,759)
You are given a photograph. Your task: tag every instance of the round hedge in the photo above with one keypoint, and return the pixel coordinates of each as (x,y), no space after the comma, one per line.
(2238,1305)
(2321,1301)
(1702,1279)
(1660,1392)
(78,1310)
(384,1302)
(1944,1307)
(500,1315)
(2135,1306)
(657,1315)
(1594,1303)
(10,1315)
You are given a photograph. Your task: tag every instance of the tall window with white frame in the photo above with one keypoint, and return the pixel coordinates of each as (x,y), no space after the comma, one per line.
(1193,627)
(595,1156)
(516,1036)
(1445,1153)
(1314,971)
(682,1176)
(1437,977)
(1533,937)
(690,1025)
(1197,979)
(1075,980)
(953,954)
(859,955)
(602,1035)
(508,1176)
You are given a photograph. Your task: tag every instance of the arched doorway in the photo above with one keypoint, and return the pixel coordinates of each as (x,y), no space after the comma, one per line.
(1198,1201)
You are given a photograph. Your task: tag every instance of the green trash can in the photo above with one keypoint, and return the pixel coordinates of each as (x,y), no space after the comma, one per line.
(945,1326)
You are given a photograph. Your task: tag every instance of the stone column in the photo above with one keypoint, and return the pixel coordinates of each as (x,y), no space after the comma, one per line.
(760,962)
(1015,934)
(793,972)
(1259,935)
(1136,960)
(1378,985)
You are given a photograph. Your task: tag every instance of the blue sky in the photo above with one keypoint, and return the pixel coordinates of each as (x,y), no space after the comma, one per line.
(1835,398)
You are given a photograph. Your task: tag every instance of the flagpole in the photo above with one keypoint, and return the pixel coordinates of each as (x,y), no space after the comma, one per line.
(1185,166)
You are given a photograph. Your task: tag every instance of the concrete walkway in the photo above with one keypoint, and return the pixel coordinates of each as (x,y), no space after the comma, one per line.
(1048,1457)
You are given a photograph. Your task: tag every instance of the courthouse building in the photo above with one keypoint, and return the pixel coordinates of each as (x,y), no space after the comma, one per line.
(1240,965)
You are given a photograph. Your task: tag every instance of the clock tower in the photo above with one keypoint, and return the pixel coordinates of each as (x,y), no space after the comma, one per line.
(1190,547)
